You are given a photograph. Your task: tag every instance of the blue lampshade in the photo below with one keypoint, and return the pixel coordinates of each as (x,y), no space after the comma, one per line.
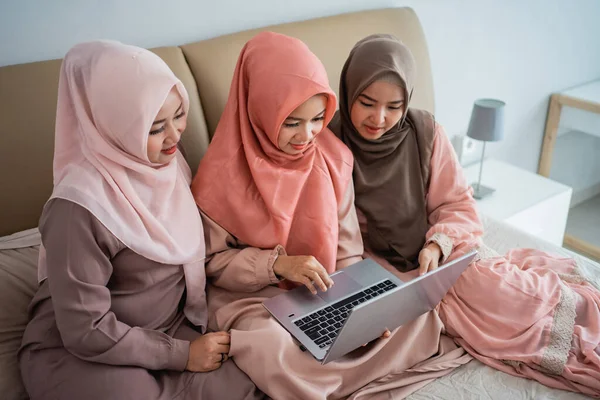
(487,120)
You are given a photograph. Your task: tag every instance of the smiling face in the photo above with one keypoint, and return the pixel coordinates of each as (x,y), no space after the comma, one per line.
(169,124)
(302,125)
(377,109)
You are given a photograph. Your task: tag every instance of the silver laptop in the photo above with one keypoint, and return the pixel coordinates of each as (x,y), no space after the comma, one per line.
(364,300)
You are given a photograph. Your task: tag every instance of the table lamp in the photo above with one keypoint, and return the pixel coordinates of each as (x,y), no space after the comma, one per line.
(487,125)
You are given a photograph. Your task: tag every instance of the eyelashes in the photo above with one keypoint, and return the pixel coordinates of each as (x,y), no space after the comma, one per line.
(371,105)
(162,128)
(296,124)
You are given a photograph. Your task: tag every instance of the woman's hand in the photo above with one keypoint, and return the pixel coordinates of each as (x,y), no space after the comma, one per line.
(429,258)
(305,270)
(384,335)
(208,352)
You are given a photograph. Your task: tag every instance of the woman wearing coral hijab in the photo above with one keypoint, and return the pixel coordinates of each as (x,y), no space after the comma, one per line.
(276,195)
(120,312)
(528,313)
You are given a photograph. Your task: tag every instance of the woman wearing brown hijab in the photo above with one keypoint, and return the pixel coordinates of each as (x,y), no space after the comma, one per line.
(527,313)
(398,151)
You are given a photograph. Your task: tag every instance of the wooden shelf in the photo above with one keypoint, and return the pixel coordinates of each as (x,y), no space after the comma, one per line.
(584,97)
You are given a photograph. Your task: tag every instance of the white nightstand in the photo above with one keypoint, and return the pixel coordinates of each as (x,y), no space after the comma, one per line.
(527,201)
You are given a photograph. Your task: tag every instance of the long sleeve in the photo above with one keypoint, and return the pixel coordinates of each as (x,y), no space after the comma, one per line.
(451,209)
(78,258)
(350,244)
(235,266)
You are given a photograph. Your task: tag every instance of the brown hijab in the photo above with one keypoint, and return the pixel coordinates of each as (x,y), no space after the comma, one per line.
(391,174)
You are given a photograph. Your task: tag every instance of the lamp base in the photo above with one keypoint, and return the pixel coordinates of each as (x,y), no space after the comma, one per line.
(481,191)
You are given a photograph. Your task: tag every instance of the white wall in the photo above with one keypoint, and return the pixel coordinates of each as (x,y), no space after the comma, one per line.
(518,51)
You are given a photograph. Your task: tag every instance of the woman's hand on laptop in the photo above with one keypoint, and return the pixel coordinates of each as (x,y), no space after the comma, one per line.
(384,335)
(305,270)
(429,258)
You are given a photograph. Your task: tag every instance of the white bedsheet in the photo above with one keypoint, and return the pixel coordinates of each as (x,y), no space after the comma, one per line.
(473,381)
(478,381)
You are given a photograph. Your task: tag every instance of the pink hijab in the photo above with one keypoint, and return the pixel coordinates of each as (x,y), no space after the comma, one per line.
(245,183)
(108,96)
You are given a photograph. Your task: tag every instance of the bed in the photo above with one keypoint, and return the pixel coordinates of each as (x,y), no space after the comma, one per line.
(205,68)
(478,381)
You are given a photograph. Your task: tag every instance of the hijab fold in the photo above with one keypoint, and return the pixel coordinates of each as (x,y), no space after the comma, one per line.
(245,183)
(109,95)
(391,174)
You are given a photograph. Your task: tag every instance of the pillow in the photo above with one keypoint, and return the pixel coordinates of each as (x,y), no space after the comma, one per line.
(18,283)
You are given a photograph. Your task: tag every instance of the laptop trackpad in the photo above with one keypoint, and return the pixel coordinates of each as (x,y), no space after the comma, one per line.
(343,285)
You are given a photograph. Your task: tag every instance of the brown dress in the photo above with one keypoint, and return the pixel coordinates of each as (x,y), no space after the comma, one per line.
(108,323)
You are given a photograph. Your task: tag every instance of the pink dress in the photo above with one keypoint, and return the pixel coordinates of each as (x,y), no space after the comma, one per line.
(527,313)
(242,277)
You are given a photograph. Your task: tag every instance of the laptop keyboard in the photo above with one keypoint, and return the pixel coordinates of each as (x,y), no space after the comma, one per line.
(323,325)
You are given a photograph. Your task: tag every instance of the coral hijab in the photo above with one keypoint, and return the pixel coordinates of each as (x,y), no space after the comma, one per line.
(246,184)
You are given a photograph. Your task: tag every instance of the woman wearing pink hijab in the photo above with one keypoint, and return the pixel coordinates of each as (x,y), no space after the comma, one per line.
(527,313)
(277,201)
(120,312)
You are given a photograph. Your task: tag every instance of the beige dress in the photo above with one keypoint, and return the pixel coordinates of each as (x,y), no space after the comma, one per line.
(108,323)
(242,277)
